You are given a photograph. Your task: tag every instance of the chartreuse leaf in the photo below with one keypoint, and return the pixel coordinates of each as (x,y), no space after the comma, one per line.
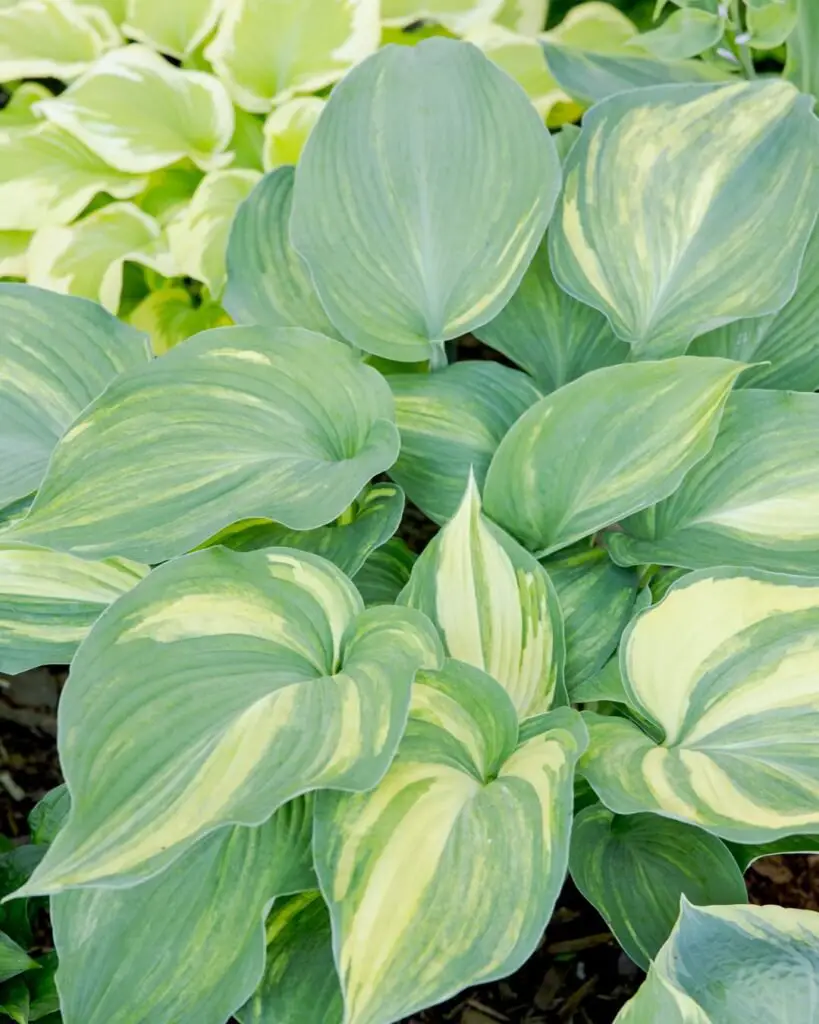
(287,128)
(604,446)
(266,51)
(473,817)
(239,422)
(56,355)
(770,24)
(51,39)
(169,190)
(169,316)
(783,345)
(528,17)
(14,253)
(597,599)
(47,177)
(741,163)
(549,334)
(49,600)
(86,258)
(13,959)
(139,113)
(722,672)
(802,65)
(451,422)
(370,522)
(398,285)
(175,30)
(732,965)
(752,501)
(18,114)
(267,280)
(198,234)
(185,947)
(300,976)
(456,15)
(635,868)
(317,697)
(493,604)
(385,573)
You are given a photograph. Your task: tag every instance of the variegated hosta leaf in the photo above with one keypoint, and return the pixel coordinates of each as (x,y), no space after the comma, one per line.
(723,671)
(51,39)
(18,114)
(752,501)
(596,599)
(186,947)
(369,522)
(300,980)
(802,65)
(406,245)
(266,51)
(494,606)
(549,334)
(169,190)
(56,355)
(287,128)
(267,280)
(14,253)
(168,316)
(222,686)
(175,29)
(604,446)
(385,573)
(634,869)
(86,258)
(473,817)
(783,344)
(456,15)
(198,234)
(139,113)
(49,601)
(451,423)
(732,965)
(528,17)
(742,163)
(239,422)
(47,177)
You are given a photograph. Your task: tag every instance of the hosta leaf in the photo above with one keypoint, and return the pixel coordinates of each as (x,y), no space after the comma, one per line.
(607,684)
(732,965)
(752,501)
(287,128)
(300,979)
(802,65)
(169,316)
(456,15)
(684,33)
(186,947)
(267,280)
(248,140)
(198,234)
(474,819)
(14,253)
(13,959)
(50,39)
(385,573)
(741,163)
(86,258)
(48,816)
(597,599)
(451,422)
(45,1000)
(525,16)
(602,447)
(49,601)
(175,30)
(56,355)
(370,522)
(422,248)
(771,25)
(635,868)
(47,177)
(222,686)
(168,191)
(723,670)
(549,334)
(268,50)
(782,344)
(139,113)
(521,57)
(18,115)
(494,605)
(745,855)
(239,422)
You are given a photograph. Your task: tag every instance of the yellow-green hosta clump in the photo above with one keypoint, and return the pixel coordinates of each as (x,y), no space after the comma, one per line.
(312,775)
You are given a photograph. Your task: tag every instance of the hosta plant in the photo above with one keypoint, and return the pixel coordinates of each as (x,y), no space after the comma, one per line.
(311,777)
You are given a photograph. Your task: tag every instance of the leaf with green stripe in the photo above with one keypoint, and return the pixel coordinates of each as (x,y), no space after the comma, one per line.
(451,422)
(407,246)
(385,573)
(49,600)
(742,163)
(752,501)
(473,817)
(57,354)
(634,869)
(188,946)
(239,422)
(723,672)
(598,449)
(494,605)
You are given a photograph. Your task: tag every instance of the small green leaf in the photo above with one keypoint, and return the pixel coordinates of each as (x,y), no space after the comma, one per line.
(685,33)
(287,129)
(14,253)
(771,24)
(169,316)
(47,818)
(13,959)
(15,1001)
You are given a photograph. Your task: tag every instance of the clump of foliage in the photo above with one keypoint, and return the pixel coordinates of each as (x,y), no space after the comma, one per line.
(311,777)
